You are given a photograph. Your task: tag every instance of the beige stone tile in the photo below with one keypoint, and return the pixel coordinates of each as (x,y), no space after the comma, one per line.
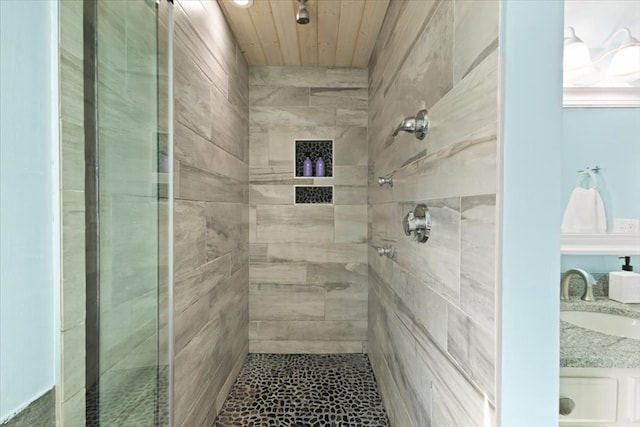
(349,195)
(303,330)
(188,322)
(346,301)
(299,223)
(71,34)
(258,146)
(465,168)
(192,95)
(469,112)
(258,252)
(276,175)
(283,96)
(308,76)
(195,284)
(193,369)
(72,161)
(188,44)
(473,348)
(73,350)
(190,233)
(397,335)
(271,194)
(412,18)
(73,410)
(350,175)
(348,98)
(228,125)
(393,402)
(252,226)
(73,259)
(337,273)
(317,252)
(427,73)
(350,224)
(278,273)
(193,150)
(351,146)
(349,117)
(286,302)
(305,347)
(196,184)
(71,88)
(227,228)
(293,116)
(477,259)
(476,34)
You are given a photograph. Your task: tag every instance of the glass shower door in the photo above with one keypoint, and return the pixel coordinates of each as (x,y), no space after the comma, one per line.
(132,213)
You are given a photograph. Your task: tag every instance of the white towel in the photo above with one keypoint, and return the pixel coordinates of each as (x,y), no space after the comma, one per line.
(585,212)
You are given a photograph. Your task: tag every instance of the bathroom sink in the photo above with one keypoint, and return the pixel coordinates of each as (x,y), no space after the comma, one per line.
(605,323)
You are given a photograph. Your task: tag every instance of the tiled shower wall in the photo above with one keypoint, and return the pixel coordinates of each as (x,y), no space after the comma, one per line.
(72,391)
(211,214)
(432,308)
(308,267)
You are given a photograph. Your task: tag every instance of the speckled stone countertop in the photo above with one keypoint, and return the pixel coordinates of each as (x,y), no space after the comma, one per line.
(584,348)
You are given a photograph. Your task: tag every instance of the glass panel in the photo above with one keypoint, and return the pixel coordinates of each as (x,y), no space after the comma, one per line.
(133,173)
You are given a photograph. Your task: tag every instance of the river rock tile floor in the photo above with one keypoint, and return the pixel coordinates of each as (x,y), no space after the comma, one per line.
(304,390)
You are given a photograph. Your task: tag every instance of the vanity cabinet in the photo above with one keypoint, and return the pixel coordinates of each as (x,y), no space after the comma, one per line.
(603,397)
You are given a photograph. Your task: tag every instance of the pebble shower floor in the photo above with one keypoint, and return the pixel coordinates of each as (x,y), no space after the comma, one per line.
(304,390)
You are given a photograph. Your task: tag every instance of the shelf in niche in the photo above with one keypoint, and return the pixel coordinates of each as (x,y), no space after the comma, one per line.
(600,244)
(314,148)
(313,194)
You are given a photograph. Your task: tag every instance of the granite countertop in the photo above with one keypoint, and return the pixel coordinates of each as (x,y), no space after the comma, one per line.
(584,348)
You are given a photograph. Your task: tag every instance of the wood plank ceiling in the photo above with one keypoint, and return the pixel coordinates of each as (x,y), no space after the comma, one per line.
(341,33)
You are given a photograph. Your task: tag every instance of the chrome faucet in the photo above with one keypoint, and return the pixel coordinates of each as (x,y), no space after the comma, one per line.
(588,279)
(417,125)
(407,125)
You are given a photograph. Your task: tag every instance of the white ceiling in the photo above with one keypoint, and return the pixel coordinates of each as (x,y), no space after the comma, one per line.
(596,20)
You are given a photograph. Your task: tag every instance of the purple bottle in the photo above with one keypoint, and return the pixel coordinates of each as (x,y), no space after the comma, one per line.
(306,167)
(320,166)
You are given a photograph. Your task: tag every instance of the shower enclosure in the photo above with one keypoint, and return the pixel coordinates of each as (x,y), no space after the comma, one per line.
(127,211)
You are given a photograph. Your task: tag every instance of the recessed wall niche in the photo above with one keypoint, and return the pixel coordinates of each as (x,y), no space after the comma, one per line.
(317,194)
(314,149)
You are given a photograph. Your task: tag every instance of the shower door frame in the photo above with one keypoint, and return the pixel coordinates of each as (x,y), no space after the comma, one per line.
(92,208)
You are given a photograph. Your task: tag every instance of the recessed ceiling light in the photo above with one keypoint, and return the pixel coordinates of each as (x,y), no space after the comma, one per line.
(242,3)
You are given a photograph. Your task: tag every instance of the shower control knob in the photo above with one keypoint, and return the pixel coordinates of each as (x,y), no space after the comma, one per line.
(418,223)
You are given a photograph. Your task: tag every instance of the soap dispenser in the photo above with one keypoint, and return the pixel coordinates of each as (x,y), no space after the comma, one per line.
(624,286)
(320,167)
(307,168)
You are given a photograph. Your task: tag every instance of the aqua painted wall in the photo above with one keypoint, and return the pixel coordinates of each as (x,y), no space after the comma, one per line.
(609,138)
(529,204)
(28,207)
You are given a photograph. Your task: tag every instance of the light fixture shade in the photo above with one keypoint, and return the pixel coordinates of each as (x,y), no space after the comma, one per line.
(242,3)
(625,65)
(577,65)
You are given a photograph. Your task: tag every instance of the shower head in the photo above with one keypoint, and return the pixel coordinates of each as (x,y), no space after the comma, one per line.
(302,17)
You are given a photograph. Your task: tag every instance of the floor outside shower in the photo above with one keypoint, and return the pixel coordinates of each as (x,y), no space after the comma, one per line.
(304,390)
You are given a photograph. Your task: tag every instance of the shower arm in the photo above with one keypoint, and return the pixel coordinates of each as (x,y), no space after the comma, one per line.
(417,125)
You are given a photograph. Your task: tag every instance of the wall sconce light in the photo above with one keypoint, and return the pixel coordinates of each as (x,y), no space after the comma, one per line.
(625,64)
(617,64)
(577,58)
